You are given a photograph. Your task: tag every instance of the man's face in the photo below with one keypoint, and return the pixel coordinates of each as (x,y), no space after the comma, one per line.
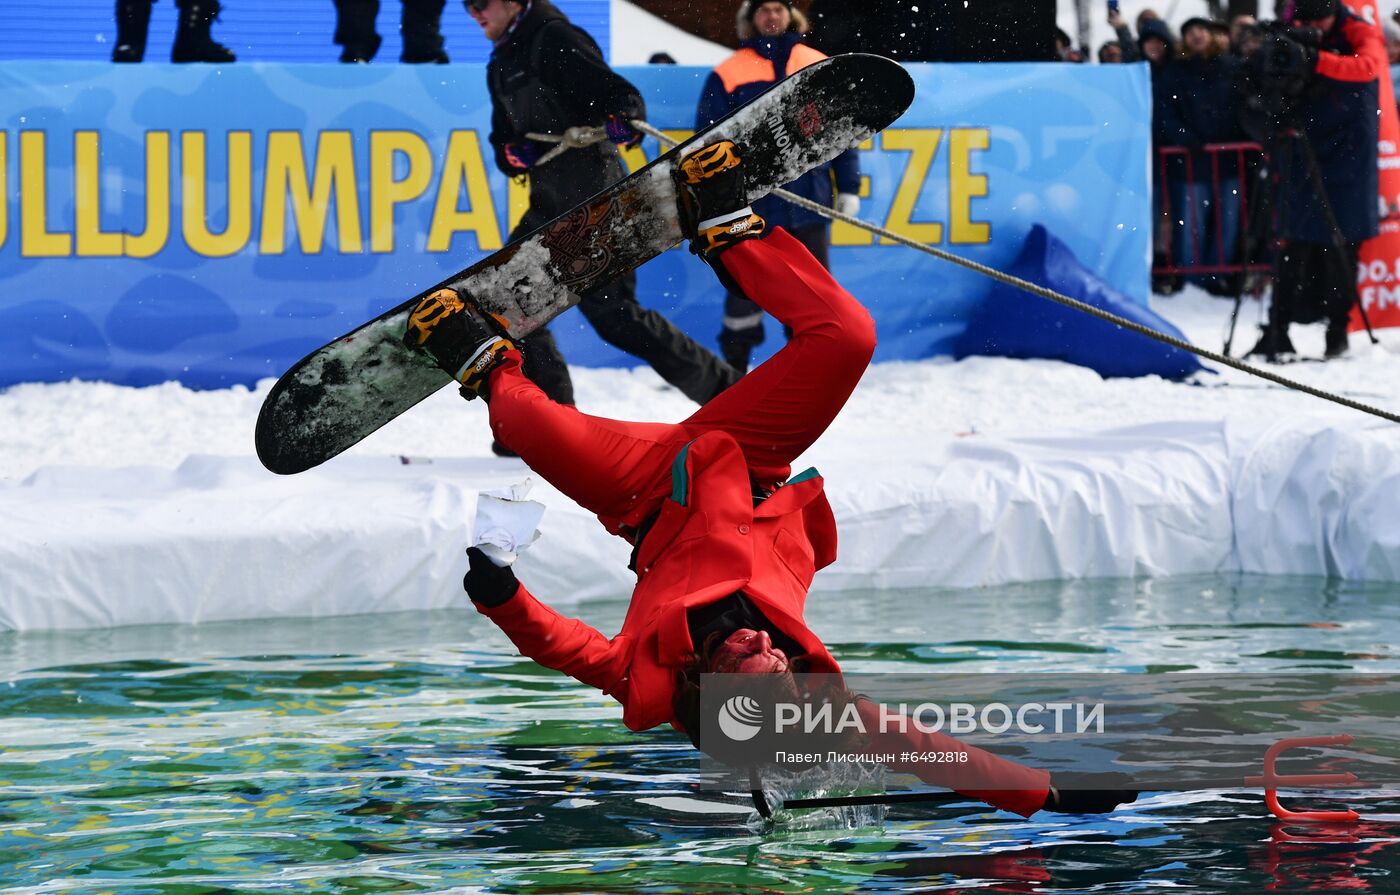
(747,651)
(1111,53)
(1196,38)
(1154,49)
(495,17)
(772,19)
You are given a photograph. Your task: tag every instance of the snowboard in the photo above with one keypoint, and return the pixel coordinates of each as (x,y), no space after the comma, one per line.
(340,393)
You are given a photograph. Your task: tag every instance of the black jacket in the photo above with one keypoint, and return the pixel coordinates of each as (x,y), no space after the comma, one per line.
(546,76)
(1339,115)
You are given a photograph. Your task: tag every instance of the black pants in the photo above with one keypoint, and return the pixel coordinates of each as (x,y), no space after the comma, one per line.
(420,24)
(617,317)
(742,329)
(1315,282)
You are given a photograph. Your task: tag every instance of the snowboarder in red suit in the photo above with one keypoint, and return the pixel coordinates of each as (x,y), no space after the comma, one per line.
(726,540)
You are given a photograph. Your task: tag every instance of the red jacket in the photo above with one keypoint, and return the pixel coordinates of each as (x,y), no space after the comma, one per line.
(708,542)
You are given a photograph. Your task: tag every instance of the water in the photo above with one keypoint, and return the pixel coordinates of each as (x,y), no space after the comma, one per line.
(416,753)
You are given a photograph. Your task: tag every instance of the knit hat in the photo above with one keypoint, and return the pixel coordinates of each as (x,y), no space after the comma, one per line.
(1155,28)
(1192,22)
(1312,10)
(743,22)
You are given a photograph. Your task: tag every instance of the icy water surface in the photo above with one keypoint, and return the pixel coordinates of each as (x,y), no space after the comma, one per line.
(417,753)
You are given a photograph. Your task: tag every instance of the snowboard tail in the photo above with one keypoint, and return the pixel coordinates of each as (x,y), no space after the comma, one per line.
(339,394)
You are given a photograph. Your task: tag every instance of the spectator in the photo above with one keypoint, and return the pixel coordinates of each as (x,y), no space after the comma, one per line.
(1111,53)
(770,49)
(661,59)
(1127,44)
(420,23)
(1207,111)
(1316,278)
(1248,38)
(1155,44)
(193,42)
(1390,30)
(1064,47)
(1220,34)
(1237,25)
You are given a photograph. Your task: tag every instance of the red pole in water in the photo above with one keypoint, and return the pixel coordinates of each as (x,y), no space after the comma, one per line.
(1272,780)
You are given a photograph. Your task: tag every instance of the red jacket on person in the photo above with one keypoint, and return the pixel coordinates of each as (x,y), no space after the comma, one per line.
(708,540)
(714,542)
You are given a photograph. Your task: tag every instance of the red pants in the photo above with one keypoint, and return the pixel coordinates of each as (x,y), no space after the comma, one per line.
(622,470)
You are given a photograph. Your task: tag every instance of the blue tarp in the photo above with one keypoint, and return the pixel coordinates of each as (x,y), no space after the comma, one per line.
(1011,322)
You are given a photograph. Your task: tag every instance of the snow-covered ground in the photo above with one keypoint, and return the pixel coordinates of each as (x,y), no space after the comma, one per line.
(122,505)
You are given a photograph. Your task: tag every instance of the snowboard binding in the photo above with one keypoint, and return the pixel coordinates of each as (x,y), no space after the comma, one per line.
(714,207)
(459,341)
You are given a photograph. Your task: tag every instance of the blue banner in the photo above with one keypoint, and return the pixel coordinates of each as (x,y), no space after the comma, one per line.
(213,224)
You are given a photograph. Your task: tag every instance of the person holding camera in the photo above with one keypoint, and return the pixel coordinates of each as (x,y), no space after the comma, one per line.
(1327,209)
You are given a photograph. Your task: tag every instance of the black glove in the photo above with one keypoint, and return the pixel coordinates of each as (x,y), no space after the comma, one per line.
(1091,801)
(486,583)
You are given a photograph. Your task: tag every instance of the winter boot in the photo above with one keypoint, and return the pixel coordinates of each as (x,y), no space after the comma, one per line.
(354,30)
(133,24)
(1274,345)
(714,206)
(458,341)
(1338,343)
(193,42)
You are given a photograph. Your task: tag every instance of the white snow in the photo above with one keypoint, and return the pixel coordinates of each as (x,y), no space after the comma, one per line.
(123,506)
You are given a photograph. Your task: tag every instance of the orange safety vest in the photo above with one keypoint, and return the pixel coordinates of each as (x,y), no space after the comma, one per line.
(748,67)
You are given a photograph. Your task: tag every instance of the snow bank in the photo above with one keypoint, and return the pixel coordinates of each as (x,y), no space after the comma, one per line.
(127,506)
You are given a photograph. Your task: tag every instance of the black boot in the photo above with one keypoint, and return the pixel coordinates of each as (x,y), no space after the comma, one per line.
(355,31)
(193,42)
(133,24)
(1274,345)
(1337,341)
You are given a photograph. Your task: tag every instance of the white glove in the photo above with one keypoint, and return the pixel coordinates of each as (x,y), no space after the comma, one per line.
(506,522)
(848,204)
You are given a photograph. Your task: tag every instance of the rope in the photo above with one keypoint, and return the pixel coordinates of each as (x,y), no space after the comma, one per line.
(1052,295)
(572,138)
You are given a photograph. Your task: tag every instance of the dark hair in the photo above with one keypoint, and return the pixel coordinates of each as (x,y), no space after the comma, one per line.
(685,700)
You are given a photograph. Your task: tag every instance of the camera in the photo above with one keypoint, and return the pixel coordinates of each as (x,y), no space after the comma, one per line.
(1277,74)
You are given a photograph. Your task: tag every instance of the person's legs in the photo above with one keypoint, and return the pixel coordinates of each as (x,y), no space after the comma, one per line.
(421,27)
(133,25)
(622,322)
(741,331)
(193,41)
(609,467)
(545,365)
(1340,296)
(779,409)
(355,29)
(1287,284)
